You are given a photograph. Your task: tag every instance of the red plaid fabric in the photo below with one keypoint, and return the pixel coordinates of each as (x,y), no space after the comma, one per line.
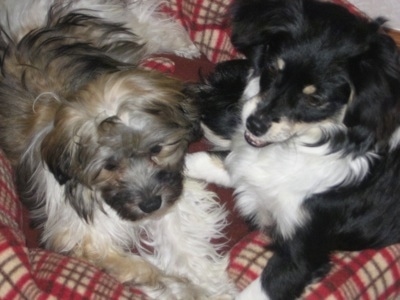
(161,64)
(369,274)
(248,258)
(207,23)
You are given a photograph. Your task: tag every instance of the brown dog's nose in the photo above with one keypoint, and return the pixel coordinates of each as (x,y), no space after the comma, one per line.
(149,205)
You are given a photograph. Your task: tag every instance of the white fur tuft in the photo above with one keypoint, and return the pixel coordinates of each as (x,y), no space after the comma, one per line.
(159,32)
(203,166)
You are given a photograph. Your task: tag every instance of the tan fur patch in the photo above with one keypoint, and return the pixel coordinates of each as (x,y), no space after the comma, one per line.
(309,89)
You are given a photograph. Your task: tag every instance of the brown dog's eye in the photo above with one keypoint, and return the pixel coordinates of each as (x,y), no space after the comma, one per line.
(111,165)
(155,149)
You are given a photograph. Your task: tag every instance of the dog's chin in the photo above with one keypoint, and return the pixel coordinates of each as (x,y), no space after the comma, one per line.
(254,141)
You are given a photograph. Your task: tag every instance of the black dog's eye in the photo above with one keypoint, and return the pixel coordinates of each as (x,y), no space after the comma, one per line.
(111,165)
(275,67)
(272,69)
(315,100)
(155,149)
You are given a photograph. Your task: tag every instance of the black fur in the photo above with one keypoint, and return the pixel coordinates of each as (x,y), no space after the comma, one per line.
(218,96)
(344,56)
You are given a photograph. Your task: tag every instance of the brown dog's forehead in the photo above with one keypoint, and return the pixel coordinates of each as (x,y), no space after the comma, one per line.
(139,136)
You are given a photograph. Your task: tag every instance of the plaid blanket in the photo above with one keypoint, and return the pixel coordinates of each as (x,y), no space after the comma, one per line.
(27,273)
(368,274)
(207,23)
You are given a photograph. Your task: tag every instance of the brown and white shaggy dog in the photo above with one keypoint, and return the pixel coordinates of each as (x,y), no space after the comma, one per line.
(98,145)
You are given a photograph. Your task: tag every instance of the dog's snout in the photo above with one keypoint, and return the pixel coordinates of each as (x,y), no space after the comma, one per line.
(257,125)
(149,205)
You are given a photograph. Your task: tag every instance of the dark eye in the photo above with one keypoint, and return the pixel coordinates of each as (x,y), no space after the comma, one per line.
(111,165)
(315,100)
(155,149)
(272,69)
(275,67)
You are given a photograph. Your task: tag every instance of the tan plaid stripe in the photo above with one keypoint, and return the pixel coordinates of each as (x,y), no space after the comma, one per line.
(247,262)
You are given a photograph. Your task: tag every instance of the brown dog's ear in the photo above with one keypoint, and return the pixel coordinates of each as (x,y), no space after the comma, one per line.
(56,152)
(109,131)
(61,176)
(59,146)
(59,153)
(109,125)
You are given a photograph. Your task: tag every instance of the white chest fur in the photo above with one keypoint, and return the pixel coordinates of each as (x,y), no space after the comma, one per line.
(271,183)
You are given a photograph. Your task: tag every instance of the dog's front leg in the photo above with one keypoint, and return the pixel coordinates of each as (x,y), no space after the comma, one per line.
(124,266)
(208,166)
(132,269)
(293,266)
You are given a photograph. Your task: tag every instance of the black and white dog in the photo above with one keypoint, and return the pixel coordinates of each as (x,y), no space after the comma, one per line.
(312,125)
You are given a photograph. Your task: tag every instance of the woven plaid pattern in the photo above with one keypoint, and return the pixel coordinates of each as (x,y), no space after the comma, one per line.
(368,274)
(161,64)
(207,23)
(248,258)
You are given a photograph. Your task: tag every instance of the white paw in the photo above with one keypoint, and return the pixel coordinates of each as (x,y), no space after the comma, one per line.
(203,166)
(188,52)
(253,291)
(171,287)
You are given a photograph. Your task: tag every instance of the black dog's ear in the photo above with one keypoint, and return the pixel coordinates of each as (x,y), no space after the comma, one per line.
(217,96)
(264,22)
(191,113)
(375,76)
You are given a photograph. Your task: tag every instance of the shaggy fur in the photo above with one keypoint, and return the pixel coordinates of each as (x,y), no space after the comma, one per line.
(315,156)
(135,16)
(98,146)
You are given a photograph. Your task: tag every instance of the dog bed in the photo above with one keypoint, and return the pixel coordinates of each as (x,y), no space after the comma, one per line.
(29,272)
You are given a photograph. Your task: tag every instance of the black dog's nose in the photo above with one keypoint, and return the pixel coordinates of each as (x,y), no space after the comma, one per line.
(257,125)
(149,205)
